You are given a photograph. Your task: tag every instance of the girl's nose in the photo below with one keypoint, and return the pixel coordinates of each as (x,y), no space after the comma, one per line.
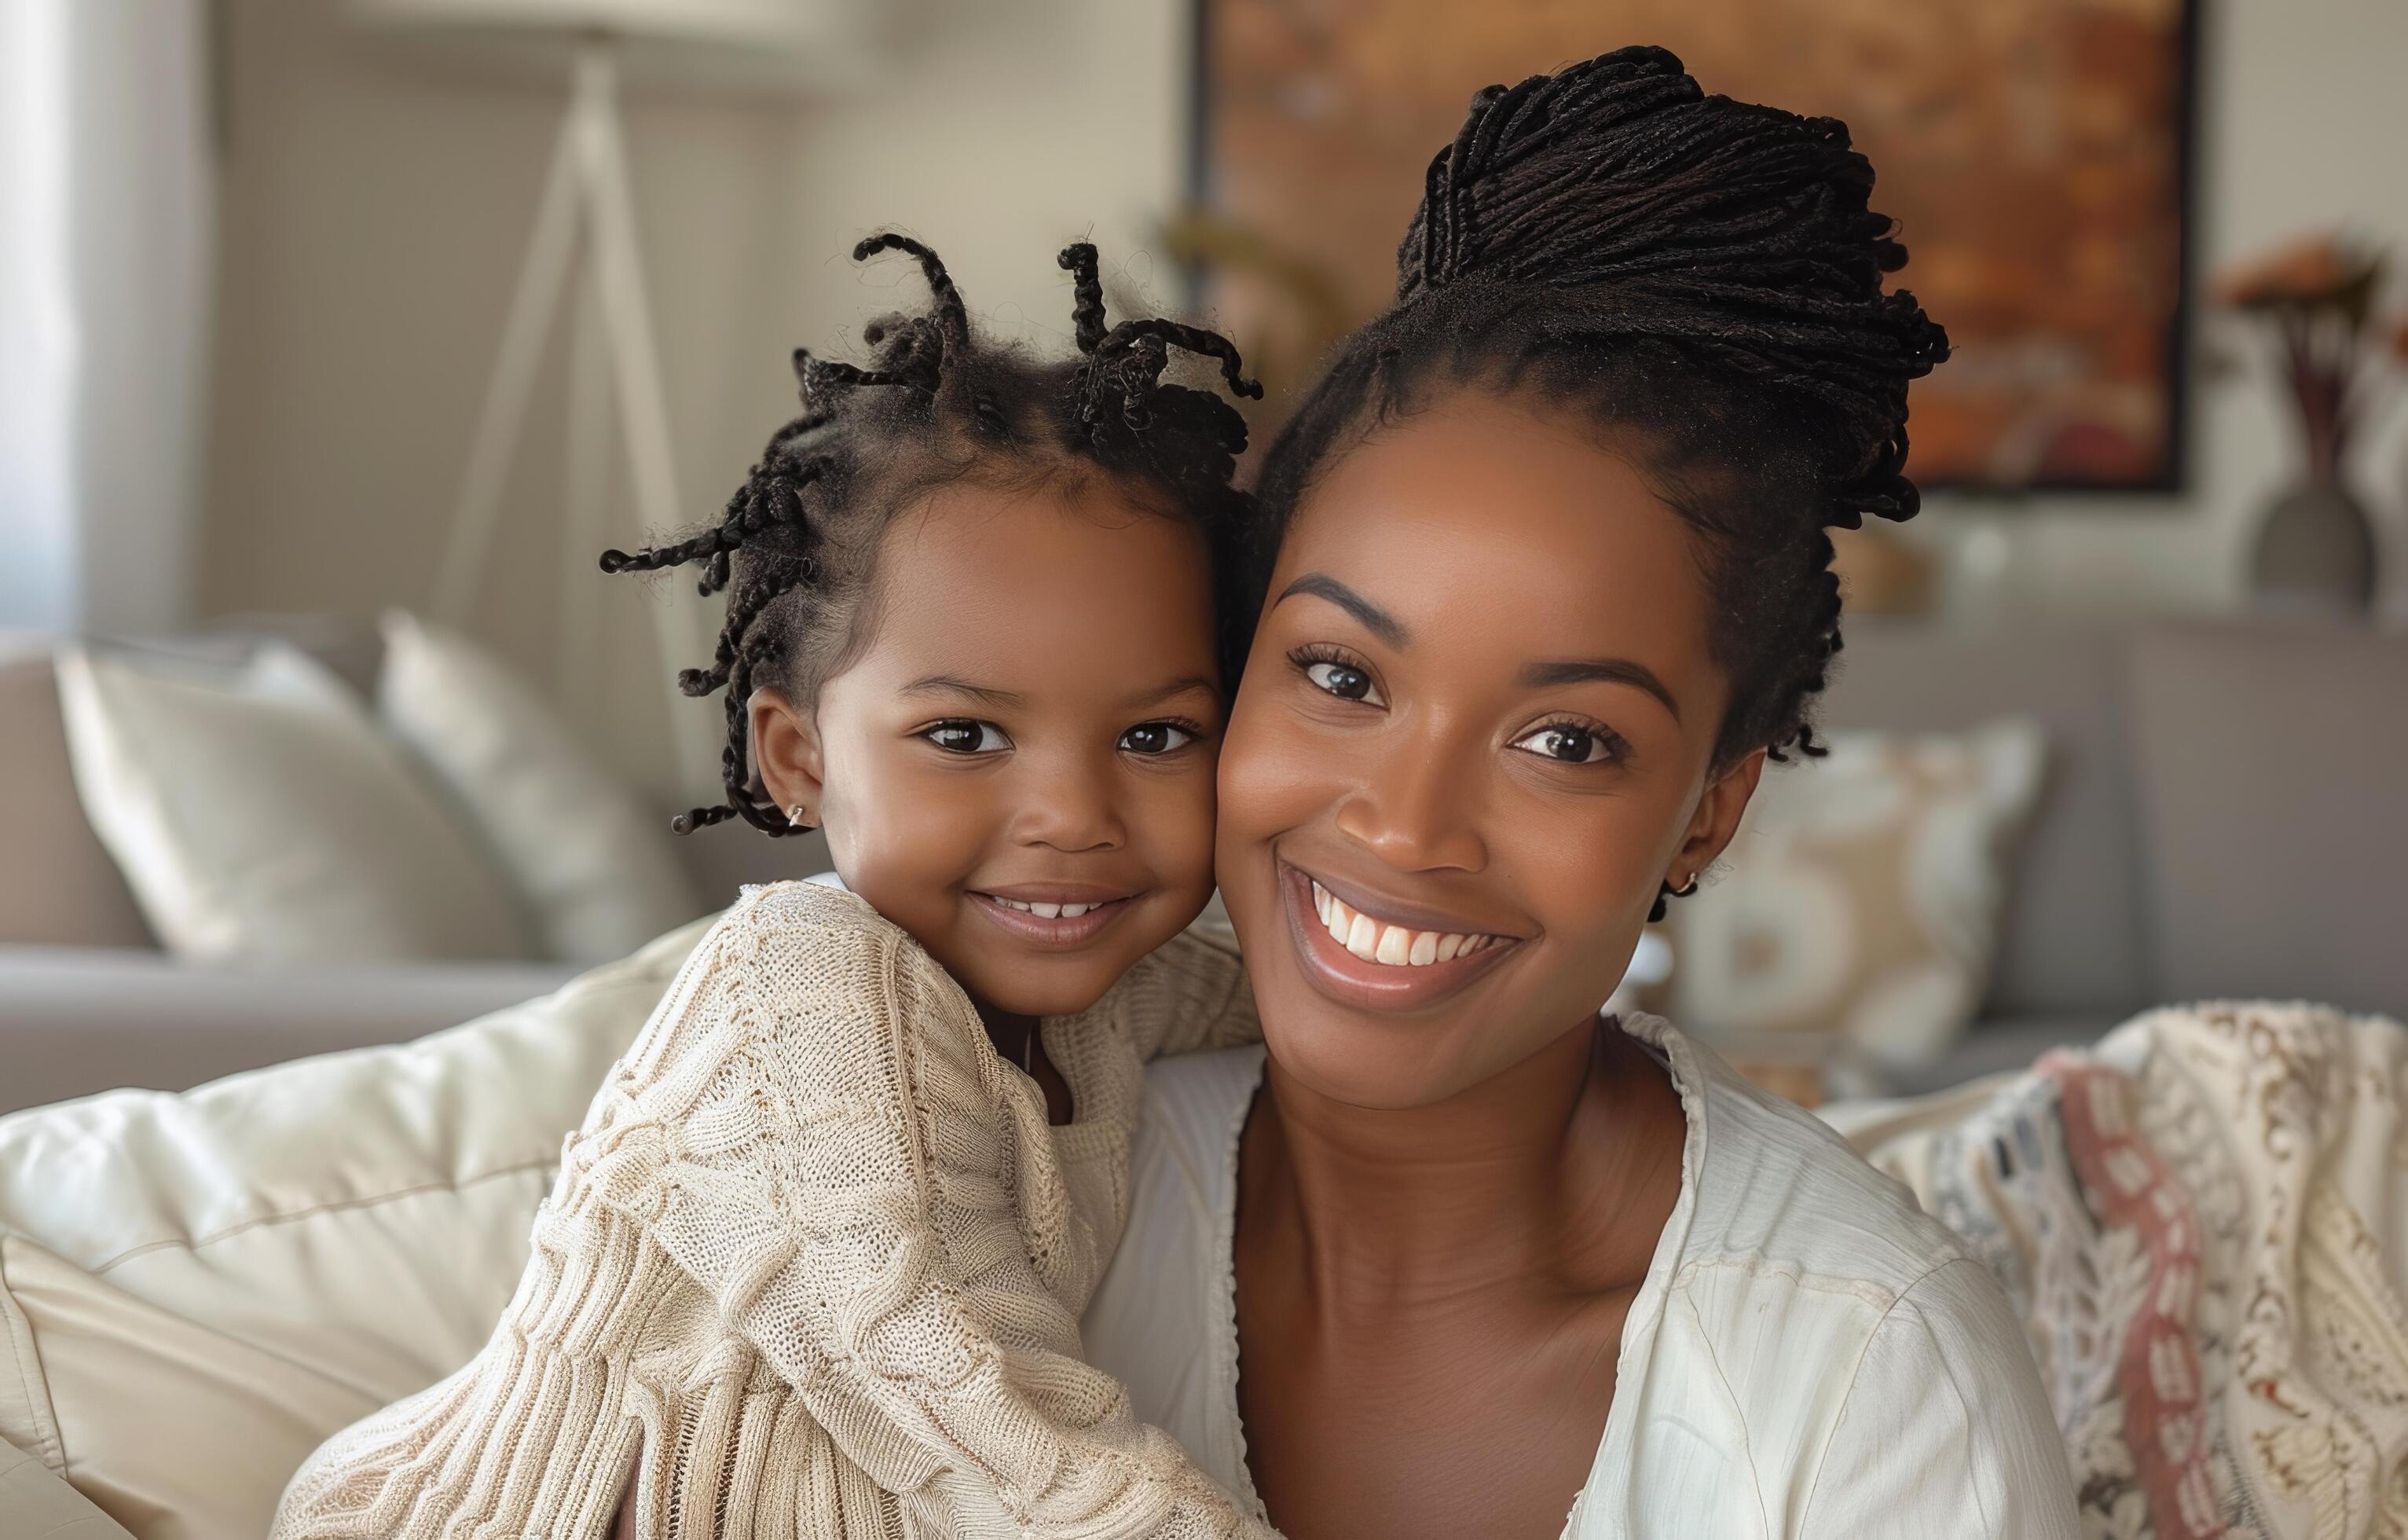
(1072,805)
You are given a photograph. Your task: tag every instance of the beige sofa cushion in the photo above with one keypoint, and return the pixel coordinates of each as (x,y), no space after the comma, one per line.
(260,814)
(597,867)
(196,1289)
(59,886)
(35,1505)
(1859,904)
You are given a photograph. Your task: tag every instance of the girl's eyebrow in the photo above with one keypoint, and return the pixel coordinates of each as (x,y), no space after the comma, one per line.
(1380,623)
(950,684)
(1171,691)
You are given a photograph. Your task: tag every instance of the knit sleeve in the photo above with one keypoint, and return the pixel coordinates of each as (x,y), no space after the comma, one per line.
(1188,995)
(609,1355)
(873,1200)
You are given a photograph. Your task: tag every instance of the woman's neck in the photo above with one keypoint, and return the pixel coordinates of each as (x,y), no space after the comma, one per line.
(1548,1177)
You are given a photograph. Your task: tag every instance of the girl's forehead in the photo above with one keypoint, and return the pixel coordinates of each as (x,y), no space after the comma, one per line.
(1041,590)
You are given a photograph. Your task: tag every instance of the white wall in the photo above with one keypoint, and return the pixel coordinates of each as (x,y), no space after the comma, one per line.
(375,203)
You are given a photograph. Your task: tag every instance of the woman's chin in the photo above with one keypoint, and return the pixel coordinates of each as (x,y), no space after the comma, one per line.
(1363,1062)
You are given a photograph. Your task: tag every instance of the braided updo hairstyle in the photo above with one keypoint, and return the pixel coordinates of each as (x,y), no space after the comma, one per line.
(795,547)
(1698,275)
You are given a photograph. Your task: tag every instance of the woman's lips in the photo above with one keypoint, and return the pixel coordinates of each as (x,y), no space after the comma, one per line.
(1405,969)
(1052,921)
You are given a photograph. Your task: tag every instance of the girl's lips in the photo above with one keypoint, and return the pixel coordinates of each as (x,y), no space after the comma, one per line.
(1350,980)
(1057,931)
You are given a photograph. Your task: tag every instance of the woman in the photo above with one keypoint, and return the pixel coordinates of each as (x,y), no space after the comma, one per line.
(1547,582)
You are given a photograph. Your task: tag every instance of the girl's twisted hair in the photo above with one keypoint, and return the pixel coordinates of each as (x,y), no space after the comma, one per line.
(795,545)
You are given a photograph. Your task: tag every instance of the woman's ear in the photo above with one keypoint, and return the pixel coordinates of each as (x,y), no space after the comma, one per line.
(1716,820)
(786,755)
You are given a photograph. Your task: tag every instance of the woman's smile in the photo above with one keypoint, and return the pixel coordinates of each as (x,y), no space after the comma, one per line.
(1368,952)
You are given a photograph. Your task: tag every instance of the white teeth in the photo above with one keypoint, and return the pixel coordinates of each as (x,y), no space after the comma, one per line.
(1391,946)
(1046,911)
(1363,938)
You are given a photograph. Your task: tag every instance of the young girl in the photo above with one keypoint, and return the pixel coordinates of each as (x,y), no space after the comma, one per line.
(815,1263)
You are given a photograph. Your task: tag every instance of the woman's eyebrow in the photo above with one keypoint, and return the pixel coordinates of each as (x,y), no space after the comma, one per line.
(1375,620)
(948,685)
(1610,671)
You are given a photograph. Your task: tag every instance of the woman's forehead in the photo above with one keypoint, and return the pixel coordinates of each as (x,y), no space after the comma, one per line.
(1501,528)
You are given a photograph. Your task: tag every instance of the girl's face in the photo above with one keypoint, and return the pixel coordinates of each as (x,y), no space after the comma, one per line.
(1475,735)
(1017,765)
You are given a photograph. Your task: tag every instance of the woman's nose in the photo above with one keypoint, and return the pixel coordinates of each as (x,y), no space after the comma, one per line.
(1072,805)
(1418,811)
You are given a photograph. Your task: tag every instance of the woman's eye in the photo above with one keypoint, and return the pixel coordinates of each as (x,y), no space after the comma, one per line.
(1569,744)
(1153,738)
(964,736)
(1345,681)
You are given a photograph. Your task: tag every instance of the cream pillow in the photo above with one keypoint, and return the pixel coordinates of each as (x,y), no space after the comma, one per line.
(594,863)
(1862,896)
(258,814)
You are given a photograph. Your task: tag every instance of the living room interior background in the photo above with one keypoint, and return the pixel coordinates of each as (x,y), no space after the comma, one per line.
(372,206)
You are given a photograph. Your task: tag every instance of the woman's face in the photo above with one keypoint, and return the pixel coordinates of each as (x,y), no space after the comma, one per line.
(1474,736)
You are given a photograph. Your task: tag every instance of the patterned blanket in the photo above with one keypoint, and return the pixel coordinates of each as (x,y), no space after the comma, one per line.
(2203,1223)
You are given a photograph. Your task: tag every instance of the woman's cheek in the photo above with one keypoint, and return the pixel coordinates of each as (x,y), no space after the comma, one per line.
(1274,772)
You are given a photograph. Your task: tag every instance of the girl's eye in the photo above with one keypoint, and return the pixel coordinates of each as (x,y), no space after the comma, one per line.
(1153,737)
(1570,744)
(1345,681)
(961,734)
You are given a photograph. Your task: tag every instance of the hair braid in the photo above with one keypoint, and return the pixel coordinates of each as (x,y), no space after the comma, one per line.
(1088,287)
(1704,272)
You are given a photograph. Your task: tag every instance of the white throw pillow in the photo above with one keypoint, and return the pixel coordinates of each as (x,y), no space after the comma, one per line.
(259,814)
(596,865)
(1861,899)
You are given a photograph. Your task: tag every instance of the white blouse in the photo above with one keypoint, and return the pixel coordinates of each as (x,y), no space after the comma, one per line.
(1810,1354)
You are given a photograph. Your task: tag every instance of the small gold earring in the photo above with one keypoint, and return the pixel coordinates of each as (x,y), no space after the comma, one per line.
(795,816)
(1687,890)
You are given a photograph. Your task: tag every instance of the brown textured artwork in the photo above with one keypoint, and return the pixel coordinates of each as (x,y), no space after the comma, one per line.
(2032,152)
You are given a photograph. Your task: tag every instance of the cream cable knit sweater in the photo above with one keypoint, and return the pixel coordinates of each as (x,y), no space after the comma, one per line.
(817,1262)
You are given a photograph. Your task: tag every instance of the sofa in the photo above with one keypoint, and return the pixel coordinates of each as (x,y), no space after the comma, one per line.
(90,1000)
(2223,814)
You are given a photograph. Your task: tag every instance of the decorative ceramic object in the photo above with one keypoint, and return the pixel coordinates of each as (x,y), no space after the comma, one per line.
(2316,548)
(2316,551)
